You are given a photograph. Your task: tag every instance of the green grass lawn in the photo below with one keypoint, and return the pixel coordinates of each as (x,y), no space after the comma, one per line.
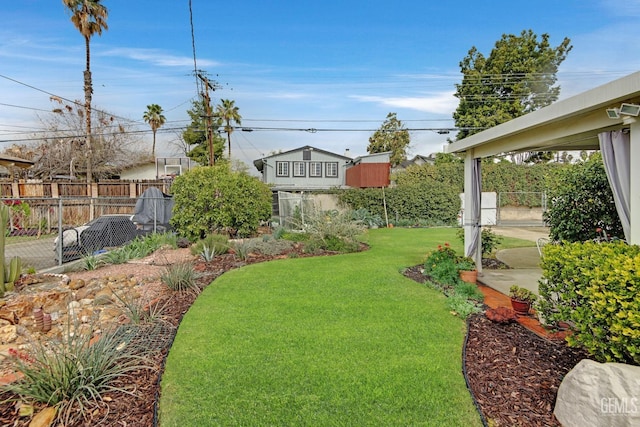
(328,341)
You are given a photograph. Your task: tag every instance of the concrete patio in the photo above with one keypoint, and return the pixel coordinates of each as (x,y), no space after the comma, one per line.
(524,263)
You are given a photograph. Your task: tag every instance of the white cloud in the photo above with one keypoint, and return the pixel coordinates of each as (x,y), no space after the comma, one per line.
(626,8)
(157,57)
(438,103)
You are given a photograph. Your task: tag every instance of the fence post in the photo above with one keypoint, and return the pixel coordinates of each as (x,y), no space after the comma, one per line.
(60,233)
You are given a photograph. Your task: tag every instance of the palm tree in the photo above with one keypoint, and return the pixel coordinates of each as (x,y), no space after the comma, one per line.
(227,111)
(90,18)
(154,117)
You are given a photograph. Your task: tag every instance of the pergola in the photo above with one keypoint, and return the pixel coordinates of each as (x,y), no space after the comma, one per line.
(576,123)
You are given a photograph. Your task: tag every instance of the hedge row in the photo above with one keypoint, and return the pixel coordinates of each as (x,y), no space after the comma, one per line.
(594,287)
(516,183)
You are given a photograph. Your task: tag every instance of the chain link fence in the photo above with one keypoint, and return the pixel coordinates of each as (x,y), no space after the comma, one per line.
(46,233)
(521,209)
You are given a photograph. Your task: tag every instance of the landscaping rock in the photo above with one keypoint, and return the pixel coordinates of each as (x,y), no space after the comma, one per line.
(599,394)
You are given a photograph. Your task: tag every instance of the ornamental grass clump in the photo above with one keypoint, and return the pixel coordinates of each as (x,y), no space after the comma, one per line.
(74,373)
(180,277)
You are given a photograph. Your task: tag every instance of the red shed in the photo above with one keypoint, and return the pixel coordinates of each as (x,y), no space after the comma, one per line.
(369,171)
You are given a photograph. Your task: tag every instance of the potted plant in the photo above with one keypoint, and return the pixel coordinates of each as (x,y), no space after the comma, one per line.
(521,299)
(467,270)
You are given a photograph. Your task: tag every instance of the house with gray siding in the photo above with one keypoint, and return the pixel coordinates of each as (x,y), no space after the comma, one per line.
(303,169)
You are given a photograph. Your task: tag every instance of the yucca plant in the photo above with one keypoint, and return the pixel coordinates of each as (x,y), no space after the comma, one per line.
(217,244)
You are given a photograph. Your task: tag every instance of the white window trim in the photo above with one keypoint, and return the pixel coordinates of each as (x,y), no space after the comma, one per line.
(313,169)
(297,172)
(282,165)
(334,167)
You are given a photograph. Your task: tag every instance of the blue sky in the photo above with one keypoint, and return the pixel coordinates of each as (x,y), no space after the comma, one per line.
(339,65)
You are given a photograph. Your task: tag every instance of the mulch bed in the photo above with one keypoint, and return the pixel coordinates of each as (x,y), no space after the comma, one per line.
(512,373)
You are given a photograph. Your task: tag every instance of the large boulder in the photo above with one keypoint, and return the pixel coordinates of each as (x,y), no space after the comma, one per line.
(599,394)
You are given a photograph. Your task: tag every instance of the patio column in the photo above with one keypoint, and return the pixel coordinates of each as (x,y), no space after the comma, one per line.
(471,214)
(634,205)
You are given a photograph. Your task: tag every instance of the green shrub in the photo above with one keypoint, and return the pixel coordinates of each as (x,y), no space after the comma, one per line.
(242,249)
(210,246)
(594,288)
(489,239)
(295,237)
(462,306)
(209,199)
(581,201)
(367,218)
(425,202)
(332,230)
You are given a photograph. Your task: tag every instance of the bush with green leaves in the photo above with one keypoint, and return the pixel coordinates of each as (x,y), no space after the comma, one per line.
(581,201)
(489,239)
(594,288)
(212,199)
(331,230)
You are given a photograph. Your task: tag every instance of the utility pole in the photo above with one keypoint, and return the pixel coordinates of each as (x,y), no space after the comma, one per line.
(209,115)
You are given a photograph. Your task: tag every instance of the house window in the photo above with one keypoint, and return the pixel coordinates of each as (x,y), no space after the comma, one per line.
(331,169)
(306,154)
(315,169)
(298,169)
(282,168)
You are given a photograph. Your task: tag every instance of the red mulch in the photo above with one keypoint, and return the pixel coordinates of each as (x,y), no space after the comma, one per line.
(512,373)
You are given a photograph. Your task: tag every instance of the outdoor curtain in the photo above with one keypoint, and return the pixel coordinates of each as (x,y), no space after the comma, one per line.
(475,208)
(615,148)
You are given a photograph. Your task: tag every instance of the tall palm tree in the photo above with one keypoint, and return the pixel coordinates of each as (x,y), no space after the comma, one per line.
(228,112)
(90,18)
(154,117)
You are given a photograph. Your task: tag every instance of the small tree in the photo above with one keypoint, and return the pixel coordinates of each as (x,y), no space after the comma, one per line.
(581,202)
(215,198)
(517,77)
(195,135)
(392,136)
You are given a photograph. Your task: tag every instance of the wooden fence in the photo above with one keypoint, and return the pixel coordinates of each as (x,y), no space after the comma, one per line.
(54,190)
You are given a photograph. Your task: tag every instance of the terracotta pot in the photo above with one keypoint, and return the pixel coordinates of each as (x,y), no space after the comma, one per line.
(520,307)
(469,276)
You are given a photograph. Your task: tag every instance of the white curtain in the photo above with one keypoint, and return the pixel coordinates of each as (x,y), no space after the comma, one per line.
(475,210)
(615,148)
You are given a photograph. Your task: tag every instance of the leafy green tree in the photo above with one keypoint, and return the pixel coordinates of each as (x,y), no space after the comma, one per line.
(518,77)
(195,135)
(154,117)
(392,136)
(216,199)
(90,18)
(228,112)
(444,158)
(581,201)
